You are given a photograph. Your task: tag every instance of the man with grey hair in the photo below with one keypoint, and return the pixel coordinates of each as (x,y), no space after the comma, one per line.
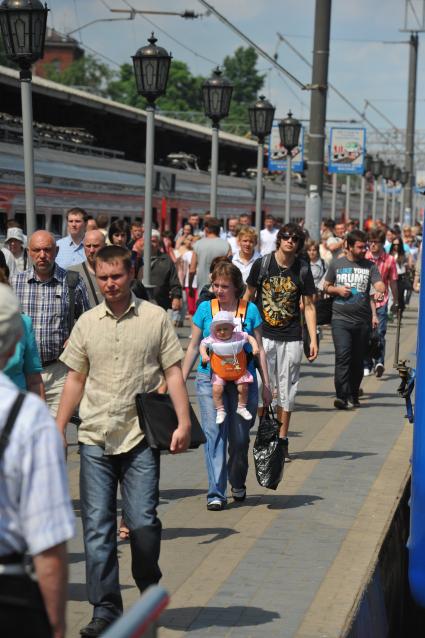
(54,301)
(36,517)
(93,241)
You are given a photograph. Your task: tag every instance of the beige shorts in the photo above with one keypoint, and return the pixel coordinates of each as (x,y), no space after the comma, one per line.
(54,379)
(283,363)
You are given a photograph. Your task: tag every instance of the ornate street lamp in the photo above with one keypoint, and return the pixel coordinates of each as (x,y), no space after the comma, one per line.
(23,29)
(216,96)
(289,131)
(151,68)
(261,116)
(367,166)
(376,169)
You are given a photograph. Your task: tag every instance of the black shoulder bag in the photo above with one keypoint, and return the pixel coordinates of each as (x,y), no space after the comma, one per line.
(14,411)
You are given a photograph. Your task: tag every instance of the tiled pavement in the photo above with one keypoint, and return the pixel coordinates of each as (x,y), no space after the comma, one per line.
(285,563)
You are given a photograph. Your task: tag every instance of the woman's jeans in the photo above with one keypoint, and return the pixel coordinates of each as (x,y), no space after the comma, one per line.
(234,432)
(137,472)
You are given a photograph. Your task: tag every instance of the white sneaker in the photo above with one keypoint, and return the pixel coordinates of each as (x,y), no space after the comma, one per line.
(366,372)
(243,412)
(221,415)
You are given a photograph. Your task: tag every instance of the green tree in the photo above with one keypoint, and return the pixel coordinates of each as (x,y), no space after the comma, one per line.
(240,69)
(87,73)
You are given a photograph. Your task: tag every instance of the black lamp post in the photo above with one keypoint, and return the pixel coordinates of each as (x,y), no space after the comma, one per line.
(367,166)
(404,179)
(216,95)
(289,131)
(151,68)
(376,169)
(387,173)
(395,177)
(23,29)
(261,116)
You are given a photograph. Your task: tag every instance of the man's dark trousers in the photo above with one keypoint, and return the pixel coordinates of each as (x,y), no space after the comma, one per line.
(351,343)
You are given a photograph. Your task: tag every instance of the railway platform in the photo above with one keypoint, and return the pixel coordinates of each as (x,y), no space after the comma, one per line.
(290,563)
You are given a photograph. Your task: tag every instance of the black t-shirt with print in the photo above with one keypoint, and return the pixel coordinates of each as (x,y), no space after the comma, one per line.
(278,298)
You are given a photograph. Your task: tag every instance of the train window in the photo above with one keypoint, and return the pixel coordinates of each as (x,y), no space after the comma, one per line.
(173,219)
(22,221)
(40,222)
(3,220)
(56,225)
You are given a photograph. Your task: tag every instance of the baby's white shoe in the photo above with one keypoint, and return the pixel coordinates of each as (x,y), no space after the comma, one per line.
(244,413)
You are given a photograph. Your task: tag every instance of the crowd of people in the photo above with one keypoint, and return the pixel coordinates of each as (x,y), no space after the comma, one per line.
(79,329)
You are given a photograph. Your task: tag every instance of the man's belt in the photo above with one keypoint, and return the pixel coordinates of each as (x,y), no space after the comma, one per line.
(12,565)
(46,364)
(12,559)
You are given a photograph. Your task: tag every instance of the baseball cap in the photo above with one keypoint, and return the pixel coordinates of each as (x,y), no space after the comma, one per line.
(15,233)
(10,319)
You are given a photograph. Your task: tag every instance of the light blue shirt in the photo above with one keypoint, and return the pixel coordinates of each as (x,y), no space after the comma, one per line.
(70,253)
(26,359)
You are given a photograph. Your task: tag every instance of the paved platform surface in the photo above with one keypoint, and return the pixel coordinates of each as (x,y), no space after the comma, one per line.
(285,563)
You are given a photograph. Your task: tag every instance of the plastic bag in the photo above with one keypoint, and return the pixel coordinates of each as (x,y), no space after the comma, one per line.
(269,457)
(375,345)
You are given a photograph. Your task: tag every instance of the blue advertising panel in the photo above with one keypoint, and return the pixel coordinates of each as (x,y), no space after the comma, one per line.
(347,149)
(277,154)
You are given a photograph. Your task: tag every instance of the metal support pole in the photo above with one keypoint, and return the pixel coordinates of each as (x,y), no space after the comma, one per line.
(393,208)
(319,89)
(259,194)
(214,170)
(384,214)
(27,129)
(334,189)
(362,201)
(410,127)
(375,198)
(149,162)
(288,188)
(400,218)
(347,196)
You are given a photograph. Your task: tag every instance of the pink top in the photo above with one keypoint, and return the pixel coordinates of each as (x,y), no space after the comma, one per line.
(388,270)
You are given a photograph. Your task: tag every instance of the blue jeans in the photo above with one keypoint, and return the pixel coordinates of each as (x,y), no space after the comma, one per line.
(382,313)
(138,473)
(234,431)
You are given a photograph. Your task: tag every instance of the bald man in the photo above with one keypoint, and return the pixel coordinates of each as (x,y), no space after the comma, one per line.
(54,299)
(92,242)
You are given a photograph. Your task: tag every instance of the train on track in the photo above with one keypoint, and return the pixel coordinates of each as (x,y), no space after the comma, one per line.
(111,185)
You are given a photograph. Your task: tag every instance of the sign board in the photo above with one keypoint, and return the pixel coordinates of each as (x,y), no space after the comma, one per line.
(347,149)
(277,154)
(420,181)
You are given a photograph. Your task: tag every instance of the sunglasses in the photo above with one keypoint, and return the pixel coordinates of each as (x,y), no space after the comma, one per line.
(288,236)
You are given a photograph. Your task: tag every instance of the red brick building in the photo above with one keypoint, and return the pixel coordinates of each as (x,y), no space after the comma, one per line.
(60,51)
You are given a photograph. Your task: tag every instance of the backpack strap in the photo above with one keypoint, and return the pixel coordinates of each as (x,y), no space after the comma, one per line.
(72,279)
(215,306)
(264,268)
(242,310)
(5,435)
(90,283)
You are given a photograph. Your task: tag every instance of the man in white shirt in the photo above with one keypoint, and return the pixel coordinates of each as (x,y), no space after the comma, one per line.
(36,517)
(268,236)
(232,234)
(71,247)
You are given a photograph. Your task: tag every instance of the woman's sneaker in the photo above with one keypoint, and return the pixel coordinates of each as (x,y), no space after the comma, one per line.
(215,505)
(239,494)
(243,412)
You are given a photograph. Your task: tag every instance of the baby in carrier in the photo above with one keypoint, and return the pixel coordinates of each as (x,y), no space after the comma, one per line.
(228,362)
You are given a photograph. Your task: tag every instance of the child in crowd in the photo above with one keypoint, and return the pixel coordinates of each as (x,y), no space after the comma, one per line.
(228,362)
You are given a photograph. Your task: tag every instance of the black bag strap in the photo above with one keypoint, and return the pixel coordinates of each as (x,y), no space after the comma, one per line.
(72,279)
(14,411)
(90,282)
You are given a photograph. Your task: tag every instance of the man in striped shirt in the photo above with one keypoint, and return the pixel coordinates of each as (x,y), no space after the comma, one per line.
(44,293)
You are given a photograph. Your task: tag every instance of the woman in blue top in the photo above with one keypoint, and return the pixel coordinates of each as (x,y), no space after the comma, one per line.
(228,287)
(24,368)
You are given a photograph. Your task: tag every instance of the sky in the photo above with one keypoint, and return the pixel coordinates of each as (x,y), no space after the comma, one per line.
(361,65)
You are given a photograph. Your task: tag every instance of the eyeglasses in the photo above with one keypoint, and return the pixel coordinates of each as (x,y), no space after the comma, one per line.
(375,241)
(396,245)
(288,236)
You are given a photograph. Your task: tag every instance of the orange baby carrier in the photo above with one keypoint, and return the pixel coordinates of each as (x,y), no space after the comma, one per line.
(233,366)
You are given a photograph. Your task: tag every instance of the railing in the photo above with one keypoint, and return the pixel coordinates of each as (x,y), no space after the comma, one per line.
(141,619)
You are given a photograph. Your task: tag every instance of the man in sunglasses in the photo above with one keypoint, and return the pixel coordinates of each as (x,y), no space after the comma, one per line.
(349,280)
(277,282)
(387,267)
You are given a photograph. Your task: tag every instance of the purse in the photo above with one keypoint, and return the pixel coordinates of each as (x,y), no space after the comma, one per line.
(158,420)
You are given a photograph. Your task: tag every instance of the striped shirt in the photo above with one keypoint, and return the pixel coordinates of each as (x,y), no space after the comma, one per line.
(47,303)
(69,253)
(35,507)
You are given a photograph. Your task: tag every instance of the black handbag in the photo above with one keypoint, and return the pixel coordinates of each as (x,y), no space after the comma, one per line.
(158,420)
(324,310)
